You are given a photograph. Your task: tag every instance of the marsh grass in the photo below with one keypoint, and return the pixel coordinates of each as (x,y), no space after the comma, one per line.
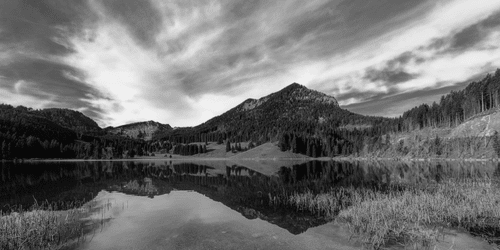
(414,216)
(409,216)
(43,226)
(326,204)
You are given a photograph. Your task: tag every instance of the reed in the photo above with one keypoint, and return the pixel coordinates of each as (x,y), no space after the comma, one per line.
(408,216)
(414,216)
(324,204)
(42,227)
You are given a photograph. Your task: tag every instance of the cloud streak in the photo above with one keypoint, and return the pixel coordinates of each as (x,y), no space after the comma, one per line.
(183,62)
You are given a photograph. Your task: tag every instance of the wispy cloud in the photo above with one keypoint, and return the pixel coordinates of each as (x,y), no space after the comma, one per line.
(431,53)
(182,62)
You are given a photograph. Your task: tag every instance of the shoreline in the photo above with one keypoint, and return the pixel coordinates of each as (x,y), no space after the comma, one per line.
(343,158)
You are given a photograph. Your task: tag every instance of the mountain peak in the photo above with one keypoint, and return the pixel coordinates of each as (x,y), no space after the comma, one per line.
(300,92)
(295,86)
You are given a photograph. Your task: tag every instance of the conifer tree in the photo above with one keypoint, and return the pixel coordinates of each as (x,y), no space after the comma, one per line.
(3,150)
(496,143)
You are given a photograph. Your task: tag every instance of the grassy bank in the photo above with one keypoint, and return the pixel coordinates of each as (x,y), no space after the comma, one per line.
(41,227)
(409,216)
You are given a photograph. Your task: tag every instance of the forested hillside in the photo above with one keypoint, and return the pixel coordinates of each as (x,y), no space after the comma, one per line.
(458,106)
(294,109)
(423,131)
(308,122)
(71,119)
(301,120)
(58,133)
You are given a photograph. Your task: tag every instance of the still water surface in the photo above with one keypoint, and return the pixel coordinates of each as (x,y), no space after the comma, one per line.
(218,204)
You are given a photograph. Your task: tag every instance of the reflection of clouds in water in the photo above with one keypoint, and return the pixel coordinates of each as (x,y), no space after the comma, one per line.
(189,220)
(218,202)
(162,217)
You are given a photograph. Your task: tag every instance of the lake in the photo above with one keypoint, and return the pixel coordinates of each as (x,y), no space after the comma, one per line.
(152,204)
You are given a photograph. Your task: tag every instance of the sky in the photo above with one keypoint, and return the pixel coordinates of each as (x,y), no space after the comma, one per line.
(182,62)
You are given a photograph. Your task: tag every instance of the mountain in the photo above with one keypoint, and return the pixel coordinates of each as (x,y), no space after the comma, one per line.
(58,133)
(301,120)
(294,102)
(66,118)
(71,119)
(22,121)
(294,108)
(140,130)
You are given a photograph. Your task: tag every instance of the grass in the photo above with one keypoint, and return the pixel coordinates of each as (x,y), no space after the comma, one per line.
(413,216)
(42,227)
(325,204)
(407,216)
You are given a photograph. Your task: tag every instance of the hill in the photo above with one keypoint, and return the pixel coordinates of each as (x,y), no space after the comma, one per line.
(300,121)
(294,108)
(140,130)
(22,121)
(294,105)
(485,124)
(462,124)
(57,133)
(71,119)
(266,151)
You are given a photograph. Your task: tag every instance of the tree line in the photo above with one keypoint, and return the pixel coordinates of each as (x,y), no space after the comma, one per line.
(27,133)
(315,129)
(457,106)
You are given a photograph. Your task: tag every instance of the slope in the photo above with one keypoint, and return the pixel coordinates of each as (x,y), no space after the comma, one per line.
(25,122)
(294,108)
(140,130)
(71,119)
(266,151)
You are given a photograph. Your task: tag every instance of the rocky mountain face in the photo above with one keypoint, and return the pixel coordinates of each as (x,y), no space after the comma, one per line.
(140,130)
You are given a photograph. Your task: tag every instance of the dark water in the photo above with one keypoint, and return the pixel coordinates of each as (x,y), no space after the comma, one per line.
(213,204)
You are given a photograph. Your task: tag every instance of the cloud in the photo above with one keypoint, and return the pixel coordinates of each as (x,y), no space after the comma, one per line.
(474,34)
(62,80)
(34,37)
(182,62)
(48,83)
(35,26)
(417,58)
(393,72)
(395,104)
(141,18)
(389,76)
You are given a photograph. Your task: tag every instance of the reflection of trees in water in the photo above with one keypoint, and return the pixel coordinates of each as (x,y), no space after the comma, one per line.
(496,175)
(238,187)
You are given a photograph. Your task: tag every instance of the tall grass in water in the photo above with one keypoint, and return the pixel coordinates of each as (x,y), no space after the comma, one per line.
(41,227)
(402,214)
(413,216)
(326,204)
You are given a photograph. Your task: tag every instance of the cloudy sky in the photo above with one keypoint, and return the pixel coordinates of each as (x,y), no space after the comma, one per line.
(184,61)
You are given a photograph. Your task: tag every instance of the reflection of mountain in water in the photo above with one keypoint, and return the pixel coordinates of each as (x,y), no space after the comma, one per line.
(238,187)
